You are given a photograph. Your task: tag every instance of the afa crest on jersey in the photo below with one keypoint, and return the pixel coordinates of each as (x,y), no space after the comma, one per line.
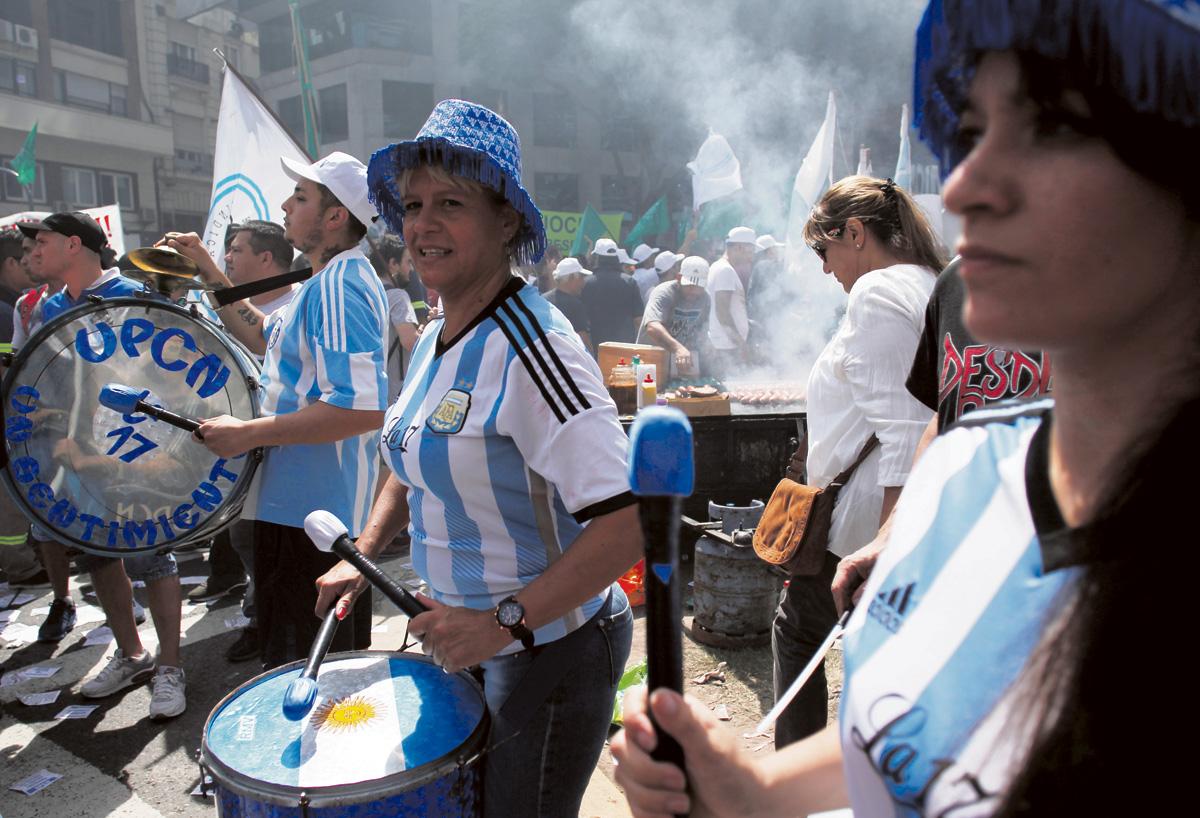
(451,412)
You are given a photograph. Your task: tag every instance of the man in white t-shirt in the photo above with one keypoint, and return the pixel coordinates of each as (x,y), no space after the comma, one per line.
(728,280)
(644,274)
(394,266)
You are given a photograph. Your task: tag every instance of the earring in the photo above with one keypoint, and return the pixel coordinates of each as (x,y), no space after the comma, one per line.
(858,247)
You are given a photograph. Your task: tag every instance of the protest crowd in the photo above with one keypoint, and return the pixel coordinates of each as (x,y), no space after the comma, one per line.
(399,362)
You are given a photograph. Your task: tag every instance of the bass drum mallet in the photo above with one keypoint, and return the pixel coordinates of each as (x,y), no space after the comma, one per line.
(328,533)
(661,474)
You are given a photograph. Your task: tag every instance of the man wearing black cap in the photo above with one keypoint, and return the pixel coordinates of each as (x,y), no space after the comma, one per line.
(68,249)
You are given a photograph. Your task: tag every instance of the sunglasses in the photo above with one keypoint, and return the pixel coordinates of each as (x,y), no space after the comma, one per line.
(819,248)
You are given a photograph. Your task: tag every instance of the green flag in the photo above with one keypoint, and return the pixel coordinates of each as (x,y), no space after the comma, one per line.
(654,222)
(23,163)
(717,218)
(591,227)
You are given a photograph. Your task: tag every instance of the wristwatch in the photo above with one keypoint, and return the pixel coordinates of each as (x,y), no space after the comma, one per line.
(510,615)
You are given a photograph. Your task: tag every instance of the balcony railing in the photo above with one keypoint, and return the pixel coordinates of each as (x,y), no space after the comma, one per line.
(189,69)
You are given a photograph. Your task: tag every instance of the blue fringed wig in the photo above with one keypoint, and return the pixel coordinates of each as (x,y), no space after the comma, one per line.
(470,141)
(1144,53)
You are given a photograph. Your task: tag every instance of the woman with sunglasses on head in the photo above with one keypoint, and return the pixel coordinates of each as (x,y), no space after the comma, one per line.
(874,239)
(1024,533)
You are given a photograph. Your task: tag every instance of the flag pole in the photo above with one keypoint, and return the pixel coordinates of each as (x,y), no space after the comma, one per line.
(306,88)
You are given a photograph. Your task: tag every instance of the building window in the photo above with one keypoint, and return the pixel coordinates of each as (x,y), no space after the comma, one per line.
(492,98)
(194,162)
(18,12)
(620,132)
(117,188)
(181,62)
(406,105)
(79,187)
(553,120)
(89,92)
(291,114)
(275,44)
(94,24)
(18,77)
(13,191)
(557,191)
(618,193)
(335,118)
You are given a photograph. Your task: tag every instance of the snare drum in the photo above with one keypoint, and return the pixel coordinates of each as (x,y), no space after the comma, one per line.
(114,484)
(388,734)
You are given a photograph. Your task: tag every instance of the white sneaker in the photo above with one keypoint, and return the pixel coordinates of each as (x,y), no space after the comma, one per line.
(167,700)
(118,674)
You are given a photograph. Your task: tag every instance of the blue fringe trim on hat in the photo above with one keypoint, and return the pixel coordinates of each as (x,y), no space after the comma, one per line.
(1147,53)
(387,163)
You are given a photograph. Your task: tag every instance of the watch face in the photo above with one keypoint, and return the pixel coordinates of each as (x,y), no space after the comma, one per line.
(509,613)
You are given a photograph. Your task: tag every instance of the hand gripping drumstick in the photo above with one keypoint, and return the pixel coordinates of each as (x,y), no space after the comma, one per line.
(302,691)
(661,473)
(805,674)
(328,534)
(126,400)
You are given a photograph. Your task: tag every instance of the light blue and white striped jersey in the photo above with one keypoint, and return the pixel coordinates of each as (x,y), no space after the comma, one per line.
(327,345)
(508,441)
(973,571)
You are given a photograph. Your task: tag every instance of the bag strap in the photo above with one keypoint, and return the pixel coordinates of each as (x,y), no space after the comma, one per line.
(229,295)
(842,478)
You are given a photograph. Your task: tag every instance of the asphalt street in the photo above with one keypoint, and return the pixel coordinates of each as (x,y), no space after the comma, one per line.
(115,760)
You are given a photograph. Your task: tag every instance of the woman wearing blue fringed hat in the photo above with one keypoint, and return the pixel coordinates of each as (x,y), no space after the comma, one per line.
(1038,565)
(506,443)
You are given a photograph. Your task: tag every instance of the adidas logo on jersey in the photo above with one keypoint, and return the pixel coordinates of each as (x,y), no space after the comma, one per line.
(888,607)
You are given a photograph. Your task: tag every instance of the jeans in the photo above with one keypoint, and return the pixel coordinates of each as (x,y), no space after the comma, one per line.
(544,770)
(146,566)
(803,619)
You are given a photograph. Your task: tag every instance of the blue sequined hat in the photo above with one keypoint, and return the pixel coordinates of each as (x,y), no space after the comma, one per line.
(467,140)
(1147,51)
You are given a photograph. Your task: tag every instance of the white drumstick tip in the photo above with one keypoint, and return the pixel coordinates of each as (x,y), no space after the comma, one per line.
(323,528)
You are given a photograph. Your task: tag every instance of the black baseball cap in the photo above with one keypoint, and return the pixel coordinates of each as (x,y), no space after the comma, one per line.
(90,233)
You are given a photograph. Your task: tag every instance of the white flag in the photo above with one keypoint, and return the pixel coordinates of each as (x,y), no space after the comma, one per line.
(903,175)
(813,179)
(248,180)
(864,162)
(716,172)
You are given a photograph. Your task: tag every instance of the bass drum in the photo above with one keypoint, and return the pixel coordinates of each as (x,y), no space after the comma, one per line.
(117,484)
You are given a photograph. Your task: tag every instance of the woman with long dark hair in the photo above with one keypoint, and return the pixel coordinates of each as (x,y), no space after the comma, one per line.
(1040,553)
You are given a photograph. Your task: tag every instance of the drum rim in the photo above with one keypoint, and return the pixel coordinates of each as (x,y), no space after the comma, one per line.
(465,755)
(143,300)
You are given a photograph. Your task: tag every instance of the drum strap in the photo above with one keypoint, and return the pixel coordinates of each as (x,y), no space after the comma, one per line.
(551,663)
(224,298)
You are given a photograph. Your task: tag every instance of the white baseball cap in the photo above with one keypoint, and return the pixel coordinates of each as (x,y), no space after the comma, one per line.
(643,252)
(570,266)
(694,270)
(767,242)
(666,260)
(740,235)
(345,176)
(605,247)
(623,257)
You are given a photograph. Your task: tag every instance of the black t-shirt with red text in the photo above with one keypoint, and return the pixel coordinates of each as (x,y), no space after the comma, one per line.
(954,374)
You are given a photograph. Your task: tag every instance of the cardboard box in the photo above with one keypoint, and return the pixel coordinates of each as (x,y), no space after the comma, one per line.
(717,405)
(610,352)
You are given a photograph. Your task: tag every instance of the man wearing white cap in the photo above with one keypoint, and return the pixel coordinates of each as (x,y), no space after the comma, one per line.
(569,278)
(676,317)
(728,280)
(652,272)
(613,303)
(771,290)
(324,392)
(644,274)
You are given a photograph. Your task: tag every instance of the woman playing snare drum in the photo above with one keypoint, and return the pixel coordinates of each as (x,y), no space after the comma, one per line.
(508,448)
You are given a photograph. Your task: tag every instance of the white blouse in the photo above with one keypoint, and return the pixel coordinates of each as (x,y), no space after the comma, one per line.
(856,387)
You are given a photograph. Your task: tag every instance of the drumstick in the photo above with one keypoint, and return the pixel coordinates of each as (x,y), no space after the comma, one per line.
(302,692)
(661,473)
(127,400)
(805,674)
(328,534)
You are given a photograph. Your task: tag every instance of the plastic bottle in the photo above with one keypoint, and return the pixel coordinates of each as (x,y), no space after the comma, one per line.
(622,385)
(647,392)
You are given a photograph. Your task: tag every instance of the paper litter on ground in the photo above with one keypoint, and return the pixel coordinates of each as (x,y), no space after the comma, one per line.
(38,699)
(76,711)
(36,782)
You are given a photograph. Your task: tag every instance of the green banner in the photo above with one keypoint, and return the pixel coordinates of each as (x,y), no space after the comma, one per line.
(23,163)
